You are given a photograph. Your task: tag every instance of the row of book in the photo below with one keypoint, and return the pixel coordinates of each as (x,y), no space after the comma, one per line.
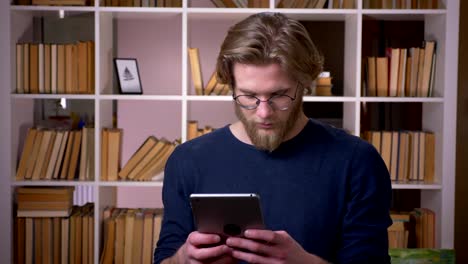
(241,3)
(213,87)
(148,162)
(55,68)
(57,154)
(142,3)
(408,155)
(130,235)
(56,2)
(415,229)
(56,239)
(400,4)
(345,4)
(402,72)
(193,131)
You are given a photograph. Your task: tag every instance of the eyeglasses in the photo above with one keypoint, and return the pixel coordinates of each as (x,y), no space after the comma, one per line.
(278,102)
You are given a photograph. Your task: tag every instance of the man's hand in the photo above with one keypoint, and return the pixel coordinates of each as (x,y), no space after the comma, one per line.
(202,248)
(270,247)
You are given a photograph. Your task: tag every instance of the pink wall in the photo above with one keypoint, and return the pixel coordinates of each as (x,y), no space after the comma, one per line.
(157,46)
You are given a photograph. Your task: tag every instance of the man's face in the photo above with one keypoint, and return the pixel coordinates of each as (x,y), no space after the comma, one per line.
(266,126)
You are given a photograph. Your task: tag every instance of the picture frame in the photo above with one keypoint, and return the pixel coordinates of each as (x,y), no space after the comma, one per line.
(128,76)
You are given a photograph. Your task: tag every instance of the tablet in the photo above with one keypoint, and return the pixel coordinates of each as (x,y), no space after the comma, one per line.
(226,214)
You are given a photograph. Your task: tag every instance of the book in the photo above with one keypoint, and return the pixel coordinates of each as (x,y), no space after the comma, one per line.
(74,158)
(61,69)
(34,154)
(47,68)
(47,158)
(53,68)
(147,251)
(104,153)
(60,155)
(41,156)
(429,48)
(26,60)
(157,148)
(114,153)
(196,72)
(192,128)
(120,232)
(41,68)
(386,148)
(19,69)
(371,76)
(137,157)
(382,76)
(156,166)
(82,65)
(402,73)
(394,64)
(129,236)
(29,240)
(26,154)
(211,84)
(67,155)
(429,157)
(34,68)
(137,237)
(65,240)
(414,52)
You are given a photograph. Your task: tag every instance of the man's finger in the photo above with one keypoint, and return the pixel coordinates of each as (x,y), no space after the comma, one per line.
(209,253)
(252,258)
(268,236)
(250,245)
(199,239)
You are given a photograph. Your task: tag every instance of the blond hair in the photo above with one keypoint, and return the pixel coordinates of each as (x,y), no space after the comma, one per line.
(266,38)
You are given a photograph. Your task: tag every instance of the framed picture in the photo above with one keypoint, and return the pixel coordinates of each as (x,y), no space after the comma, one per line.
(128,76)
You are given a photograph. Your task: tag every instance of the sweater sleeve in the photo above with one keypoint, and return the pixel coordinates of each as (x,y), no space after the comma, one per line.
(177,221)
(367,213)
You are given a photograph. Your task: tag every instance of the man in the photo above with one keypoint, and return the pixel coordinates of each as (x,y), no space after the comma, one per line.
(325,194)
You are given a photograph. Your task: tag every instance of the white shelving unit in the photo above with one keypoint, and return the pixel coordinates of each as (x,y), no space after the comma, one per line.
(159,38)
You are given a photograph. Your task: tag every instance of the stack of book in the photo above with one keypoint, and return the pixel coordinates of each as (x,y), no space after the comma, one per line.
(402,72)
(130,235)
(50,68)
(57,154)
(323,84)
(146,164)
(193,131)
(45,239)
(409,155)
(44,201)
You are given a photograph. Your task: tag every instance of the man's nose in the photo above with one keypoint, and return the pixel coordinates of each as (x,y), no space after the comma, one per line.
(264,109)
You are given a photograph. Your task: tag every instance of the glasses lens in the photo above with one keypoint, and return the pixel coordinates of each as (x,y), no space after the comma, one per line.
(247,101)
(281,102)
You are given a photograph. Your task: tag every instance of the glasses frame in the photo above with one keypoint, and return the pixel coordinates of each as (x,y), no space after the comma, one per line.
(269,100)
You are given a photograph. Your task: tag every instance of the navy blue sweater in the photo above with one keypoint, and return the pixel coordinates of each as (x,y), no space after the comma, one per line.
(329,190)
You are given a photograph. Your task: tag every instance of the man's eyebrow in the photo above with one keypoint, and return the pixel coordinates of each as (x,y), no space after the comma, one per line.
(279,90)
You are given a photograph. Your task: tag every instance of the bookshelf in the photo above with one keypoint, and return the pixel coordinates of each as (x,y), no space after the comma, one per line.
(169,97)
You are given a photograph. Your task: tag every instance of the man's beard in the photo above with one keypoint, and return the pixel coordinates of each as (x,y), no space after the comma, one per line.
(281,128)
